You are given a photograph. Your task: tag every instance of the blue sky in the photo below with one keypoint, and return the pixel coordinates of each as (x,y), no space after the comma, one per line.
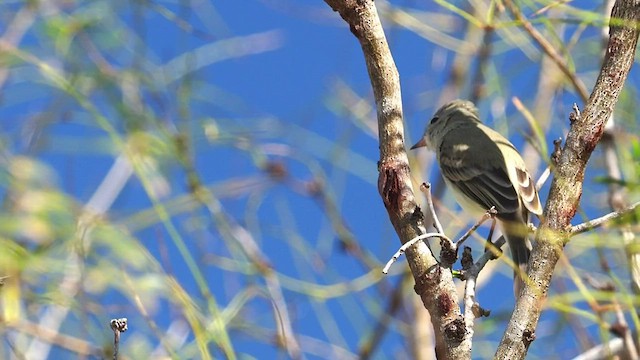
(285,99)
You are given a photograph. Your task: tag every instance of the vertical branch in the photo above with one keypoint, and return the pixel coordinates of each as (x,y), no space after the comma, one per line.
(434,283)
(617,194)
(484,51)
(566,187)
(118,326)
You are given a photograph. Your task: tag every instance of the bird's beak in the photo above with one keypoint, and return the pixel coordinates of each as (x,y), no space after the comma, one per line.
(420,143)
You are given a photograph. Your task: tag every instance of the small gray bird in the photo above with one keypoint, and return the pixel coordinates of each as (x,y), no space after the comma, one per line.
(483,169)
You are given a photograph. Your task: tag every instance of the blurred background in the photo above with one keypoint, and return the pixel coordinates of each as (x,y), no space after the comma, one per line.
(207,170)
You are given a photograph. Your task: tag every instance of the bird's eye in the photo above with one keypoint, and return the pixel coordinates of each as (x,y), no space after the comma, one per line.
(433,121)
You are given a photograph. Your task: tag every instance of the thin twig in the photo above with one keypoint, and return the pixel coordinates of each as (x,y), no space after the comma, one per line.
(575,113)
(489,214)
(448,251)
(557,151)
(596,223)
(603,351)
(425,188)
(118,326)
(549,50)
(543,178)
(410,243)
(488,243)
(621,328)
(548,7)
(448,246)
(472,309)
(469,302)
(494,248)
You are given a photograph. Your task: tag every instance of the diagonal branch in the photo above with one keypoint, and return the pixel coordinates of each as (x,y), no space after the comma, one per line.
(548,49)
(566,187)
(434,282)
(595,223)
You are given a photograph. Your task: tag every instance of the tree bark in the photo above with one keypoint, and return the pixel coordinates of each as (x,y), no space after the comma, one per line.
(434,283)
(566,188)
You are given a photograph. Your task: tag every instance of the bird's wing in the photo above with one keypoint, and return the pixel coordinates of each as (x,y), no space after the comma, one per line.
(488,186)
(527,190)
(521,178)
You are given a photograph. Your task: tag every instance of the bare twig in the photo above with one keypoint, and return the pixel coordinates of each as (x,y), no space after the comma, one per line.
(118,326)
(543,178)
(412,242)
(425,188)
(448,246)
(557,151)
(621,328)
(490,246)
(472,309)
(596,223)
(469,304)
(448,250)
(549,50)
(603,351)
(494,249)
(544,9)
(490,214)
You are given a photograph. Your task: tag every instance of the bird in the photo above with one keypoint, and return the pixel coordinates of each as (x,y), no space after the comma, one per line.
(484,170)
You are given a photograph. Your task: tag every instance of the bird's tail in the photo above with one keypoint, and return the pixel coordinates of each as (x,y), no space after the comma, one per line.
(520,251)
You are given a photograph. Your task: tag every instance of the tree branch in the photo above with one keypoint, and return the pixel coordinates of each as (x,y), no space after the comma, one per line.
(595,223)
(548,49)
(434,282)
(566,187)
